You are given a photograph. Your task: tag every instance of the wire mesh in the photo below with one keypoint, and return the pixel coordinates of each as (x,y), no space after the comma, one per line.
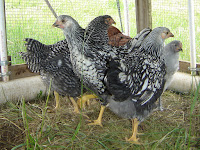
(34,19)
(174,15)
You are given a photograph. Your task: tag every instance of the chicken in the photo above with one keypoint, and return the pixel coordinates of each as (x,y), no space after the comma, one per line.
(137,81)
(54,65)
(170,55)
(116,37)
(121,52)
(89,50)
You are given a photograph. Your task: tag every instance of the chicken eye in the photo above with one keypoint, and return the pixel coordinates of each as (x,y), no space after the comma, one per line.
(63,21)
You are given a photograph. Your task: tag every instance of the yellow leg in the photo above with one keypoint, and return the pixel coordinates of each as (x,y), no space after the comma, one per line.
(85,99)
(76,109)
(133,138)
(57,100)
(99,119)
(57,103)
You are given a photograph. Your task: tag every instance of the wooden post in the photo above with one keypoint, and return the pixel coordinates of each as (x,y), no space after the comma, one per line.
(143,14)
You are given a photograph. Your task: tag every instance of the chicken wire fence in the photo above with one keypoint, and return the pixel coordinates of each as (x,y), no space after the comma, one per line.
(33,19)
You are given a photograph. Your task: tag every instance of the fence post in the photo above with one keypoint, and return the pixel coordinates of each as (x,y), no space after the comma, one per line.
(3,46)
(143,14)
(192,37)
(126,17)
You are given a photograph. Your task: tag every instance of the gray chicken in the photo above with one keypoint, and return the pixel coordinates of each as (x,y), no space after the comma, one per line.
(54,65)
(170,55)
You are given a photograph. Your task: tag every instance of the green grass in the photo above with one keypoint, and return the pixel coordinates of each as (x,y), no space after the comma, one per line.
(24,125)
(33,19)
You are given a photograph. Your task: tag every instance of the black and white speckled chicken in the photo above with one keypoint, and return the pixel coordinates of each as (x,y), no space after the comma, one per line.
(88,49)
(53,63)
(170,55)
(137,81)
(121,52)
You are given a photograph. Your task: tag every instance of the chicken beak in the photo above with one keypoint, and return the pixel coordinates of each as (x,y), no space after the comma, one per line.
(113,22)
(180,47)
(56,24)
(170,34)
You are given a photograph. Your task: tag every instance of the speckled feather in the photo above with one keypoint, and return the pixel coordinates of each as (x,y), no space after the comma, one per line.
(88,54)
(53,63)
(36,54)
(131,45)
(138,77)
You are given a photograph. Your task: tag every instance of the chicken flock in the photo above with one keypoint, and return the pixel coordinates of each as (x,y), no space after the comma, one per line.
(128,75)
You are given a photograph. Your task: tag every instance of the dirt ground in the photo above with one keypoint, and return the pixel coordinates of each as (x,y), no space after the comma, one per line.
(174,128)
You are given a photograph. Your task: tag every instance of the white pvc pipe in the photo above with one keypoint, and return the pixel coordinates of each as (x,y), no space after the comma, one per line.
(3,46)
(25,88)
(28,88)
(184,83)
(126,18)
(192,36)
